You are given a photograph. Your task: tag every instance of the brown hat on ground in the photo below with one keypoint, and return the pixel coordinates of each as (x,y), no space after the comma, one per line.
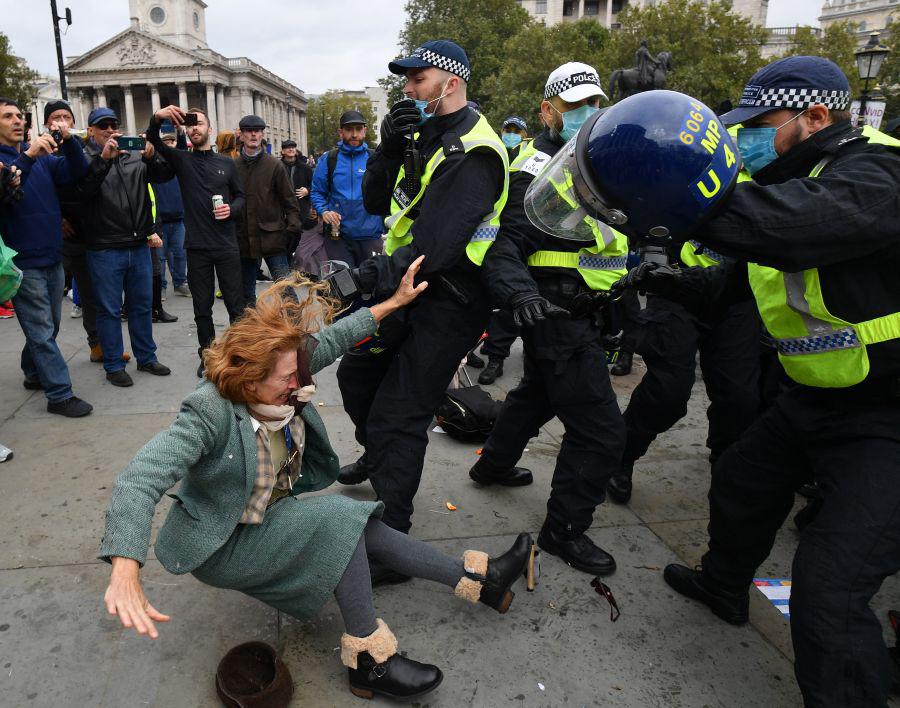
(252,675)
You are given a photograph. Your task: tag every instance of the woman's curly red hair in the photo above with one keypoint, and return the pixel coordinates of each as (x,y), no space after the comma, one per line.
(281,321)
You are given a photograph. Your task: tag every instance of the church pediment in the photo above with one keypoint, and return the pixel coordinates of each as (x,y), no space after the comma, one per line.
(131,49)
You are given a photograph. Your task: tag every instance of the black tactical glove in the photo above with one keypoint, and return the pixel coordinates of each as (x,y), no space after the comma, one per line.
(585,305)
(530,308)
(648,277)
(396,125)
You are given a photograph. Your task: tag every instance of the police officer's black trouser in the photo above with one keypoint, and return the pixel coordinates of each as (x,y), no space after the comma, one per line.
(851,448)
(729,359)
(392,396)
(502,332)
(577,391)
(628,309)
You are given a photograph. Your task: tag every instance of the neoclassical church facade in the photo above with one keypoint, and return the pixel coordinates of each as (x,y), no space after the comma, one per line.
(163,58)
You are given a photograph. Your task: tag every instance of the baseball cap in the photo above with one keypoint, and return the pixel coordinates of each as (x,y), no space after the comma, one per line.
(352,118)
(56,105)
(441,53)
(516,121)
(573,81)
(102,113)
(792,82)
(252,122)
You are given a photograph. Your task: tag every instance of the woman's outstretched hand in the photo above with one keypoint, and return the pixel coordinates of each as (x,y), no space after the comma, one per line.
(406,292)
(125,597)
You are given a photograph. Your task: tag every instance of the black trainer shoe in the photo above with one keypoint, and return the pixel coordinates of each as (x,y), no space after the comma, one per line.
(72,407)
(398,677)
(354,473)
(163,317)
(579,551)
(155,368)
(475,361)
(486,475)
(733,607)
(32,384)
(492,372)
(119,378)
(623,366)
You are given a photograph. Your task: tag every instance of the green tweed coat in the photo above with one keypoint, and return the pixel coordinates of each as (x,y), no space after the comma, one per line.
(295,558)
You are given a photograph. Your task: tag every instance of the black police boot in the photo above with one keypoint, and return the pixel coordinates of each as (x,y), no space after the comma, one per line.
(733,607)
(354,473)
(576,549)
(384,575)
(619,486)
(486,474)
(492,372)
(475,361)
(623,366)
(488,580)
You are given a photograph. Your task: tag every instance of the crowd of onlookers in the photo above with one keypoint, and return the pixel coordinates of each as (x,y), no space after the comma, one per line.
(112,221)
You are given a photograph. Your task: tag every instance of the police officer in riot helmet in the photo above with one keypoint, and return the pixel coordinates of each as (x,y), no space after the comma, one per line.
(815,234)
(556,286)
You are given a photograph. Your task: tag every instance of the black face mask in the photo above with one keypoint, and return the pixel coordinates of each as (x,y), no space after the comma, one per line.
(800,159)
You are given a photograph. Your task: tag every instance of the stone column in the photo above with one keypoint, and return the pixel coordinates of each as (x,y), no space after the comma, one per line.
(257,104)
(78,98)
(246,102)
(609,13)
(101,96)
(129,110)
(154,97)
(302,139)
(182,95)
(211,104)
(220,108)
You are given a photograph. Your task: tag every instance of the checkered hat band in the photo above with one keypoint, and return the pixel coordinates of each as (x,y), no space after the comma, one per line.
(557,87)
(800,98)
(447,64)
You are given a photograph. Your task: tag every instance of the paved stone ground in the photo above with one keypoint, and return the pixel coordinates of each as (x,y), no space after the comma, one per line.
(556,647)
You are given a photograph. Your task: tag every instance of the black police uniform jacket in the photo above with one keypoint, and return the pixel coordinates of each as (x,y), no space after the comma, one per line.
(845,222)
(506,274)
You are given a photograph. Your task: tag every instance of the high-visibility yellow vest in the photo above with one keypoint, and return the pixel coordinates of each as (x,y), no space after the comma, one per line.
(599,265)
(815,347)
(400,222)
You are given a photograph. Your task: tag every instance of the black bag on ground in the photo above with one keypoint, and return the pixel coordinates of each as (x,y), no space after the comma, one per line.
(468,413)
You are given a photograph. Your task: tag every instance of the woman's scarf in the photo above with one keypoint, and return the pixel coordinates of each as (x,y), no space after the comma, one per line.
(276,417)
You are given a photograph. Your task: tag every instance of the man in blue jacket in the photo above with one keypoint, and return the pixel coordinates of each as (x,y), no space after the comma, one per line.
(351,233)
(33,227)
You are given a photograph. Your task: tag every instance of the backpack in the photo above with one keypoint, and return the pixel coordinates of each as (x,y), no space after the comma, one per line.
(468,413)
(332,165)
(10,275)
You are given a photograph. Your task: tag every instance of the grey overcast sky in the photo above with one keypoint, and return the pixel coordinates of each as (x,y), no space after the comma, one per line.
(314,44)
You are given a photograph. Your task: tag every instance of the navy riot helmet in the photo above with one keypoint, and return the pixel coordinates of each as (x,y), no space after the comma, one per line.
(655,166)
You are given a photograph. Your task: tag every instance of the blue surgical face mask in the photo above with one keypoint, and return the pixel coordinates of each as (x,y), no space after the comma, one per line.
(574,119)
(422,105)
(757,145)
(511,140)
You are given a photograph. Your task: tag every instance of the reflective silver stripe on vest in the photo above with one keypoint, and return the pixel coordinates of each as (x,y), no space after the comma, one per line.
(485,233)
(845,338)
(702,250)
(600,263)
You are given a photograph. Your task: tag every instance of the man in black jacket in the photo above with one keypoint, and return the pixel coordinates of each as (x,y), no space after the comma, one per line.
(210,241)
(816,236)
(391,396)
(119,223)
(300,174)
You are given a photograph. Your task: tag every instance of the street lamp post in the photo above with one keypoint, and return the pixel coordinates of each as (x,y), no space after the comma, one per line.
(868,63)
(59,55)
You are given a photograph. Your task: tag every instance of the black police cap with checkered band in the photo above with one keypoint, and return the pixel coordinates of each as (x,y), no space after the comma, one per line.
(439,53)
(792,82)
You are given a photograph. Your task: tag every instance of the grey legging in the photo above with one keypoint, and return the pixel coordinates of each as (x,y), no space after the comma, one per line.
(401,553)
